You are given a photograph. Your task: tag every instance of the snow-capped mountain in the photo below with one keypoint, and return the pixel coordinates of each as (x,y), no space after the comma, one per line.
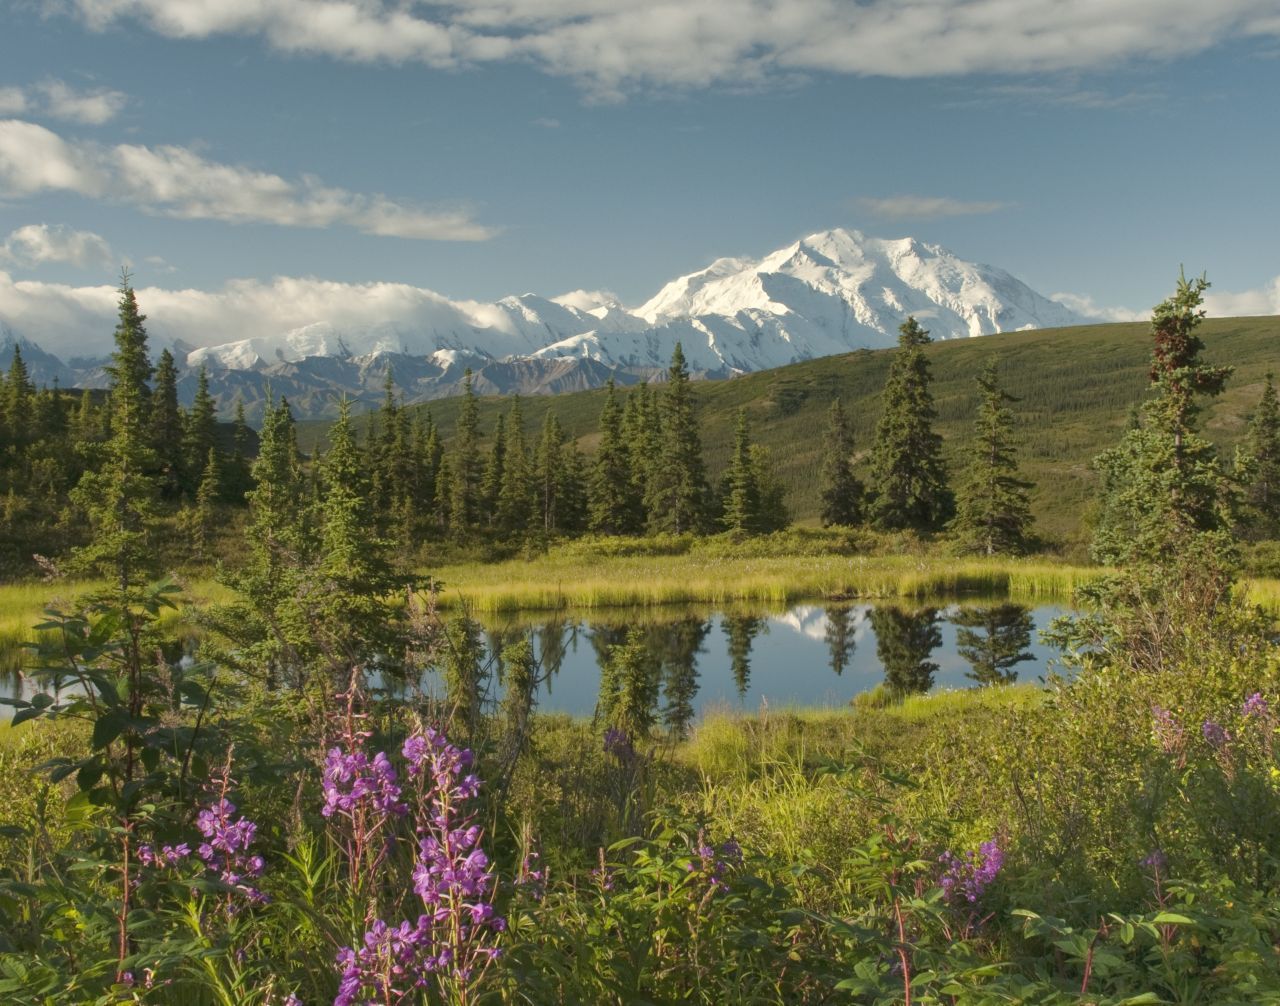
(831,292)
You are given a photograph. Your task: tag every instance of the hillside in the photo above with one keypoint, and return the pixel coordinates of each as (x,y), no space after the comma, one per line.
(1076,387)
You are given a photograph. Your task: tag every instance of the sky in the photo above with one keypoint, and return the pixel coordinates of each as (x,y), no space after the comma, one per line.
(311,149)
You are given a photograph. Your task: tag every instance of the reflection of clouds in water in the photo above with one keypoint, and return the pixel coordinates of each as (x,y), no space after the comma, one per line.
(810,621)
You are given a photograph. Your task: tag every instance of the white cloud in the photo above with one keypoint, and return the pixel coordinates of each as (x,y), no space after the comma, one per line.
(1263,300)
(927,206)
(546,123)
(91,108)
(78,321)
(1084,305)
(615,45)
(37,244)
(177,182)
(13,101)
(587,300)
(59,100)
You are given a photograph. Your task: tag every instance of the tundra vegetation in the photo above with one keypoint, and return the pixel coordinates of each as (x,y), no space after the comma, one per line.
(288,815)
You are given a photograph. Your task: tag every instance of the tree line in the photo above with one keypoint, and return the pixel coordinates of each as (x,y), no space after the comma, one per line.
(647,474)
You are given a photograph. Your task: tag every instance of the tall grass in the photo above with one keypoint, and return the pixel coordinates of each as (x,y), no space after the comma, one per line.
(554,581)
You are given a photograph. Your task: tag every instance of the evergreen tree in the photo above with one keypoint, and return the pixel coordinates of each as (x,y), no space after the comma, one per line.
(167,427)
(1262,494)
(994,639)
(427,452)
(908,480)
(17,399)
(616,506)
(549,475)
(465,468)
(1162,486)
(120,498)
(993,510)
(839,488)
(904,642)
(515,499)
(642,432)
(201,519)
(676,498)
(200,435)
(236,480)
(680,644)
(742,490)
(630,678)
(491,486)
(349,600)
(773,514)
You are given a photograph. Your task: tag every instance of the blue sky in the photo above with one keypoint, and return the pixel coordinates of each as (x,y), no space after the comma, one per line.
(487,147)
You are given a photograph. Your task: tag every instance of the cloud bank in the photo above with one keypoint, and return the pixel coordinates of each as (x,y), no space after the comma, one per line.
(177,182)
(39,244)
(611,46)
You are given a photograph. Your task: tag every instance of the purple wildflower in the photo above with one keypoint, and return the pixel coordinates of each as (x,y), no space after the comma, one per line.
(351,779)
(1214,734)
(969,876)
(1255,705)
(714,863)
(225,849)
(1156,861)
(168,857)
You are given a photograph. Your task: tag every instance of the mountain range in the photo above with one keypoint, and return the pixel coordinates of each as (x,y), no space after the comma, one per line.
(831,292)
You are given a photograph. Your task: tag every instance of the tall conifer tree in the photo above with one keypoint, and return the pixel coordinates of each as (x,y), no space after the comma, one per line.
(993,510)
(120,498)
(742,489)
(1262,494)
(908,480)
(167,428)
(840,490)
(615,507)
(677,492)
(201,433)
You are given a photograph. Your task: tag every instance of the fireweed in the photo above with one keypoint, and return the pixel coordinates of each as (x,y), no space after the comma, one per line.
(966,878)
(451,943)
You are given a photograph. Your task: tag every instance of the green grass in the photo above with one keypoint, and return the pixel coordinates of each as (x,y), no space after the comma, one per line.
(567,579)
(1076,386)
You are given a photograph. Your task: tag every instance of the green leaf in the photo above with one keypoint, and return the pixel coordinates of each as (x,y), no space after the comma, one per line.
(1172,918)
(109,726)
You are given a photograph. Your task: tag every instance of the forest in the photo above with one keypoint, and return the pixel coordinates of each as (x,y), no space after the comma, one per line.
(326,781)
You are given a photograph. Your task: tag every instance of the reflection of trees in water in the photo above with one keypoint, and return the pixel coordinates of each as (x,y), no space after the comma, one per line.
(679,644)
(993,639)
(904,642)
(840,636)
(630,676)
(741,631)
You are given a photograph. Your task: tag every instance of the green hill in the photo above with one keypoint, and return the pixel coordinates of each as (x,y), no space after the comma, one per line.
(1076,387)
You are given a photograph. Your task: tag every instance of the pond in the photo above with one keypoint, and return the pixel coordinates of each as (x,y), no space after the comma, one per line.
(805,655)
(740,658)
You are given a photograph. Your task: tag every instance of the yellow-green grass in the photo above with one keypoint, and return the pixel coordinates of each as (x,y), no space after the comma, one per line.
(557,581)
(22,607)
(1264,592)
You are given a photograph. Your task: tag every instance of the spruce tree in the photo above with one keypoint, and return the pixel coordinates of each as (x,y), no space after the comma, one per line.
(515,498)
(742,490)
(840,636)
(200,434)
(1162,487)
(908,480)
(491,485)
(994,639)
(549,476)
(840,490)
(1262,494)
(18,395)
(167,428)
(465,468)
(237,481)
(615,503)
(740,632)
(642,431)
(773,514)
(676,498)
(120,498)
(202,517)
(993,510)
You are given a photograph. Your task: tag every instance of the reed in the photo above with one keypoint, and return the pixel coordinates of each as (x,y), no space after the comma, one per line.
(556,581)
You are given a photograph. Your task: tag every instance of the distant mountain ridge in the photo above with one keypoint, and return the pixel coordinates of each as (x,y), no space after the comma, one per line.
(831,292)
